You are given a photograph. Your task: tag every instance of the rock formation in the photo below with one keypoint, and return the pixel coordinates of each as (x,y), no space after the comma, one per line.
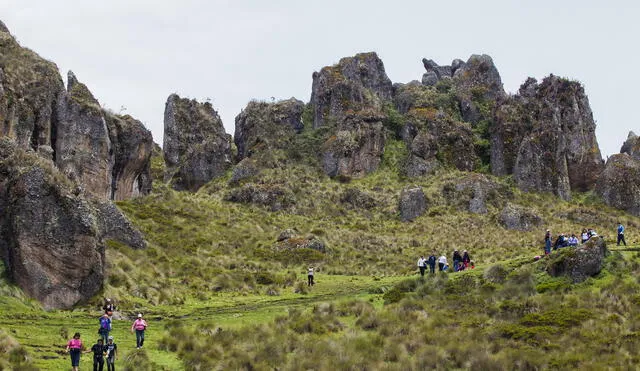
(82,145)
(475,192)
(52,238)
(132,146)
(518,218)
(545,136)
(581,262)
(413,203)
(196,147)
(69,126)
(266,127)
(632,146)
(619,183)
(349,98)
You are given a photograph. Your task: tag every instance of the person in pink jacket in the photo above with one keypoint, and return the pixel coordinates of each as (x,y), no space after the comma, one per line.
(139,325)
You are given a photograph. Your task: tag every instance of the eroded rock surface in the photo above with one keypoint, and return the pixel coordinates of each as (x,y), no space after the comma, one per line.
(619,184)
(196,147)
(581,262)
(413,203)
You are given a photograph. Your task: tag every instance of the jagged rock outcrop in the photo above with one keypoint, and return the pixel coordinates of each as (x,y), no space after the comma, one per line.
(52,238)
(518,218)
(82,145)
(545,136)
(413,203)
(349,97)
(29,89)
(619,183)
(68,126)
(581,262)
(196,147)
(265,127)
(632,146)
(132,146)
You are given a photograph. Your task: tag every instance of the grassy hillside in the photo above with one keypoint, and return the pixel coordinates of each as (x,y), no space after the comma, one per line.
(221,292)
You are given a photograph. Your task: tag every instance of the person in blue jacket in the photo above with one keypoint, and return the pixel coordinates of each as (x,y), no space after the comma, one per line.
(621,235)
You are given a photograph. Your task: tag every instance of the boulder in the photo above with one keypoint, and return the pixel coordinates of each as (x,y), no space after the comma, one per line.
(287,234)
(413,203)
(357,199)
(518,218)
(581,262)
(545,136)
(619,183)
(52,238)
(632,146)
(264,127)
(132,146)
(245,169)
(196,147)
(475,191)
(82,145)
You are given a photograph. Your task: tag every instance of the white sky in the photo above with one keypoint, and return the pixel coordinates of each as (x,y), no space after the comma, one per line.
(134,53)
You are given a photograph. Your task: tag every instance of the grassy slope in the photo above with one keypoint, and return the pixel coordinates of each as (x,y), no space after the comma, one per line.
(213,264)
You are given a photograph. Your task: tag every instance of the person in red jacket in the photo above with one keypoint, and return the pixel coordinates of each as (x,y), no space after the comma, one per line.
(139,325)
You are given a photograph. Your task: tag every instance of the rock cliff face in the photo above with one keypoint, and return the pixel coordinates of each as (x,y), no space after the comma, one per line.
(196,147)
(52,237)
(69,126)
(82,145)
(545,136)
(132,146)
(619,184)
(263,127)
(349,98)
(632,146)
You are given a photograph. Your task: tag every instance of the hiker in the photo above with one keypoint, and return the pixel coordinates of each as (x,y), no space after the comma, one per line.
(112,354)
(559,242)
(98,350)
(466,259)
(109,307)
(621,235)
(422,264)
(457,259)
(310,277)
(584,236)
(442,262)
(74,347)
(431,261)
(573,240)
(547,242)
(105,327)
(139,325)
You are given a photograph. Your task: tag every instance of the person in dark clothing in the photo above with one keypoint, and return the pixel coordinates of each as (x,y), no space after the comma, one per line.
(112,353)
(621,235)
(466,259)
(109,307)
(431,261)
(98,350)
(559,242)
(457,260)
(547,242)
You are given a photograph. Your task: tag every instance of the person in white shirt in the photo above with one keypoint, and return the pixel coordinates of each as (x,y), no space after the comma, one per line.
(442,262)
(310,276)
(422,264)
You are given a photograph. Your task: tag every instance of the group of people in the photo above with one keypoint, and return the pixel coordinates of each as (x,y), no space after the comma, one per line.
(105,347)
(566,240)
(460,262)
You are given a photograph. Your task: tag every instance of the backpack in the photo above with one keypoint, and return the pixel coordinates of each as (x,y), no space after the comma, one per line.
(105,323)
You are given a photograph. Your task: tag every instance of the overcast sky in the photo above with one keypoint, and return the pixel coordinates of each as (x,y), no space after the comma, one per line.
(133,53)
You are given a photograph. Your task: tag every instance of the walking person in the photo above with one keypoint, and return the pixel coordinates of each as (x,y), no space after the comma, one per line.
(109,307)
(105,327)
(74,347)
(547,242)
(139,325)
(98,350)
(310,277)
(422,265)
(621,234)
(431,261)
(112,354)
(442,263)
(457,259)
(466,259)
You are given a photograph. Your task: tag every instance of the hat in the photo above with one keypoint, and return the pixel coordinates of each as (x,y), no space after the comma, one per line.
(139,315)
(110,337)
(108,299)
